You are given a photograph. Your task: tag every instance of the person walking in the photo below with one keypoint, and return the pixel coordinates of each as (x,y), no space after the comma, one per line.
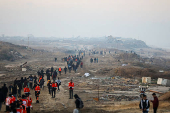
(5,91)
(81,64)
(144,104)
(15,82)
(155,102)
(65,69)
(14,92)
(48,76)
(26,90)
(19,87)
(71,87)
(59,69)
(37,93)
(1,98)
(69,67)
(10,88)
(29,99)
(31,81)
(58,83)
(55,59)
(52,69)
(54,87)
(9,101)
(25,82)
(25,103)
(79,104)
(42,83)
(54,76)
(35,79)
(49,86)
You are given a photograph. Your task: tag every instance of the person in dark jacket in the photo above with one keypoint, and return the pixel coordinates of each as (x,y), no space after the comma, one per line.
(2,98)
(22,80)
(35,79)
(31,81)
(25,82)
(42,83)
(48,76)
(77,102)
(14,92)
(20,87)
(15,82)
(10,88)
(155,102)
(144,104)
(52,69)
(54,75)
(49,86)
(4,91)
(55,59)
(65,69)
(39,73)
(47,71)
(42,73)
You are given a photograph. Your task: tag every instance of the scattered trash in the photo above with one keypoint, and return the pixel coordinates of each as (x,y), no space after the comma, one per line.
(24,69)
(86,74)
(124,64)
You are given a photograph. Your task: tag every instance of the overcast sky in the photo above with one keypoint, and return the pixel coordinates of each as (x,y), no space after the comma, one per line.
(148,20)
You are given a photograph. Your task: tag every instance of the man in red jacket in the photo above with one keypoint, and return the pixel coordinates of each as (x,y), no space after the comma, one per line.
(29,104)
(37,92)
(71,87)
(26,90)
(54,87)
(155,102)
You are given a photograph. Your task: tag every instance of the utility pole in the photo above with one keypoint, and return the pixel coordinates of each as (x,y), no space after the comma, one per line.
(28,42)
(98,92)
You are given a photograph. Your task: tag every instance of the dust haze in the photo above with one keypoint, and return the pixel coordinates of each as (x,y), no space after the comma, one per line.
(114,51)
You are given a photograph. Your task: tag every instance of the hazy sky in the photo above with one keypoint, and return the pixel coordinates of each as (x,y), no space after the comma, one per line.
(148,20)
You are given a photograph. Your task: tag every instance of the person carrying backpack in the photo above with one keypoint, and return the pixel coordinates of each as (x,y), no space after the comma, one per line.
(79,104)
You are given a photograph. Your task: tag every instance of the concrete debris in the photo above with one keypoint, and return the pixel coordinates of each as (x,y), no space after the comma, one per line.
(121,98)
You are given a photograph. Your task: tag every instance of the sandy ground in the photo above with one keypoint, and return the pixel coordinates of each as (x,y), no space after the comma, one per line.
(86,88)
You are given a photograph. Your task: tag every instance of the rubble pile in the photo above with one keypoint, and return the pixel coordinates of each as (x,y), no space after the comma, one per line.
(11,55)
(122,98)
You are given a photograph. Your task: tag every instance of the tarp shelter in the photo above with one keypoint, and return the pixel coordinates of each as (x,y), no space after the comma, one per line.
(146,79)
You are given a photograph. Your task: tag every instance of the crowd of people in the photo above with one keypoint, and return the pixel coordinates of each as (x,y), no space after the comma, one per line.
(16,102)
(95,60)
(11,96)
